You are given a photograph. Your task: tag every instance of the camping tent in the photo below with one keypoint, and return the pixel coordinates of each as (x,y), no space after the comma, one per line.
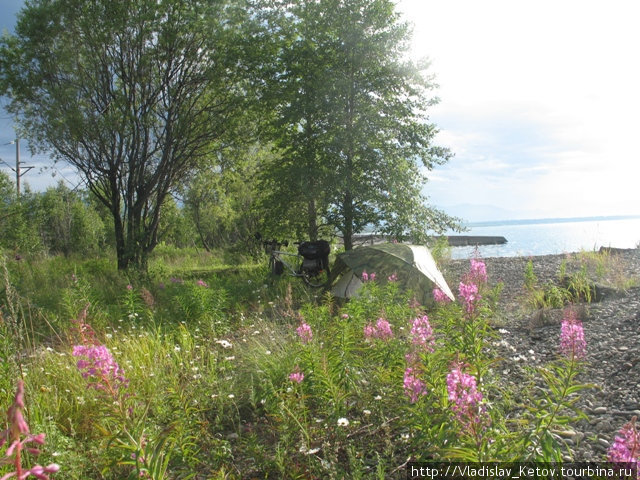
(413,266)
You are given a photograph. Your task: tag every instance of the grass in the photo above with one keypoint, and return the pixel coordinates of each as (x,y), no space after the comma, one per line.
(208,350)
(576,280)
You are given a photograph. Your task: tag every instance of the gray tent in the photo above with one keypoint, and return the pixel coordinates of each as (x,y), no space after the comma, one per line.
(413,265)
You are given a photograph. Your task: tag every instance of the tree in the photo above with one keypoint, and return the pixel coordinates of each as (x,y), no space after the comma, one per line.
(176,227)
(352,119)
(18,225)
(221,199)
(133,94)
(67,223)
(293,181)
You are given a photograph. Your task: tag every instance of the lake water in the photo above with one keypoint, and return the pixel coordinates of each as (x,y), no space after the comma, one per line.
(528,238)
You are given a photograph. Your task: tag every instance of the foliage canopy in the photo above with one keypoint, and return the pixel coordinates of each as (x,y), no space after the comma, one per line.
(351,120)
(133,94)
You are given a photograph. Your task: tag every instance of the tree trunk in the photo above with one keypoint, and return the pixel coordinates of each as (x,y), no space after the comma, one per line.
(130,248)
(348,221)
(312,229)
(121,245)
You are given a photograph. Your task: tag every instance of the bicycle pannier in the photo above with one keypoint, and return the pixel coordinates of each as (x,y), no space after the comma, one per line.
(314,250)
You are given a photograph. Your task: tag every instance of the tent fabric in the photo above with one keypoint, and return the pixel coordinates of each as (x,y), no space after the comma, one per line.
(423,261)
(347,285)
(413,265)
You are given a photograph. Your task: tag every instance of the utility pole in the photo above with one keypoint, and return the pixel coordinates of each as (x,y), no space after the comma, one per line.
(18,171)
(18,167)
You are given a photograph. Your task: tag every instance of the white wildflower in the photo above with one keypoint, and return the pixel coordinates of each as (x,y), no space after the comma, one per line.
(224,343)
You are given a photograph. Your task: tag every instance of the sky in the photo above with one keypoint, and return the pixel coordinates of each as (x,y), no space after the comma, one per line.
(539,102)
(44,173)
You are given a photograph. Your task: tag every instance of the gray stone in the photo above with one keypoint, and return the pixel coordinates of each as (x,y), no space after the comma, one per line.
(611,329)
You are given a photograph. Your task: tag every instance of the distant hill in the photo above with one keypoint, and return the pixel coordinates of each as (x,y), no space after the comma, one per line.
(471,213)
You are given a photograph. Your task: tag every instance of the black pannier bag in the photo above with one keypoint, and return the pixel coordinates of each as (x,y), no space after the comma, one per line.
(314,250)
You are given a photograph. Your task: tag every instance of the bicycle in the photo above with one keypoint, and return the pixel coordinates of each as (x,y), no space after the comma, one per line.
(312,261)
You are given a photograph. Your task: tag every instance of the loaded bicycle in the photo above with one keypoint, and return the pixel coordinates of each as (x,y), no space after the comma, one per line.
(311,263)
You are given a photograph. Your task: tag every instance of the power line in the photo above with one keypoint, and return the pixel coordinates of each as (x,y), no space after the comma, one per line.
(1,160)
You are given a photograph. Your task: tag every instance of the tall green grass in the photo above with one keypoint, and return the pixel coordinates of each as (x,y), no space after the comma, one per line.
(209,356)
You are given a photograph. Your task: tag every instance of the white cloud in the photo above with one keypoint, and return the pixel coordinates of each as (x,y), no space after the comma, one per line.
(539,102)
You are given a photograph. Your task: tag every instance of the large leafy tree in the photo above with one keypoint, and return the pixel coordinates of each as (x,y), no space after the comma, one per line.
(133,94)
(220,200)
(293,182)
(352,119)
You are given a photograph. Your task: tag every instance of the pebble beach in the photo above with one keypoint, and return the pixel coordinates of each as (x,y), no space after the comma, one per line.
(612,333)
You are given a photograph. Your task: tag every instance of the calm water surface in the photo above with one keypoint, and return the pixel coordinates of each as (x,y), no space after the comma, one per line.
(552,238)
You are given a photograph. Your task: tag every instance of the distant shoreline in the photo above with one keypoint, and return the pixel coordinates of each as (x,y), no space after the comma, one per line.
(540,221)
(452,240)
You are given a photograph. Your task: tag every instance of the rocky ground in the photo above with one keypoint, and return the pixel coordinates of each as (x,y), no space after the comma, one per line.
(612,333)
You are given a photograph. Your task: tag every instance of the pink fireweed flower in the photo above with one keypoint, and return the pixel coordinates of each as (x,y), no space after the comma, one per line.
(626,446)
(202,283)
(345,315)
(296,376)
(17,428)
(470,295)
(129,287)
(393,277)
(83,330)
(478,271)
(572,342)
(369,331)
(413,386)
(368,277)
(304,332)
(97,362)
(464,397)
(383,329)
(422,333)
(440,297)
(412,357)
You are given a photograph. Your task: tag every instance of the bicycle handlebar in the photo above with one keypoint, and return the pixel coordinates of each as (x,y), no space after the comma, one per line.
(274,243)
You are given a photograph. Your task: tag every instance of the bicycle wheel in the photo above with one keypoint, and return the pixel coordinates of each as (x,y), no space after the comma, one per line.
(317,277)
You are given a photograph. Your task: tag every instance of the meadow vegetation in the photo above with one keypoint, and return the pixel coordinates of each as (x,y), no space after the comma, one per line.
(577,280)
(141,334)
(205,370)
